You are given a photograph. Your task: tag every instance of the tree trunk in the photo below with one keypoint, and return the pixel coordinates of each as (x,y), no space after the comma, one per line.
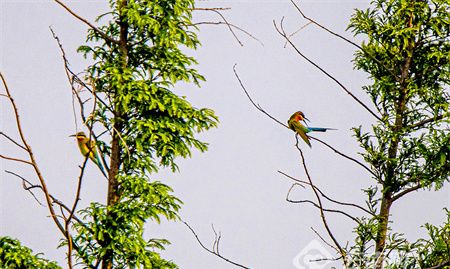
(113,185)
(382,229)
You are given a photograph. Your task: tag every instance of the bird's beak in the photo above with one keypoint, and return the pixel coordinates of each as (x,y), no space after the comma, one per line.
(72,135)
(306,119)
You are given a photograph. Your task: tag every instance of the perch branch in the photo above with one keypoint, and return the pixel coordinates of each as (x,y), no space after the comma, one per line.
(283,33)
(319,203)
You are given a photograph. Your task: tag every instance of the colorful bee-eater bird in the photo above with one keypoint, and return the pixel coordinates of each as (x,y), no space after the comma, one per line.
(295,124)
(88,146)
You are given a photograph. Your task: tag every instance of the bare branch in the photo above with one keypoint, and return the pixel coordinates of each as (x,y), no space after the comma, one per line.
(343,38)
(430,120)
(101,33)
(229,25)
(73,78)
(297,31)
(345,156)
(32,159)
(306,201)
(324,195)
(25,187)
(253,103)
(13,141)
(323,240)
(406,191)
(215,10)
(15,159)
(283,33)
(319,203)
(214,252)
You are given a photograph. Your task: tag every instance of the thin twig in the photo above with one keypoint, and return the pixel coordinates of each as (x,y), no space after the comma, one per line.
(344,38)
(31,156)
(319,202)
(101,33)
(324,195)
(297,31)
(15,159)
(306,201)
(323,240)
(13,141)
(72,77)
(215,10)
(216,253)
(229,25)
(25,187)
(251,100)
(345,156)
(283,33)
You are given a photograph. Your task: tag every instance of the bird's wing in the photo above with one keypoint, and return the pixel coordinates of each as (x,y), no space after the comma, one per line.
(305,138)
(301,130)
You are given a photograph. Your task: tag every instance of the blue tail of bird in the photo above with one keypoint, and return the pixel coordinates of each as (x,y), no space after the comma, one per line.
(99,164)
(319,129)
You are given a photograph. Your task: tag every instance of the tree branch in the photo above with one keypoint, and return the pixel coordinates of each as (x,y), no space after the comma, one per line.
(15,159)
(229,25)
(13,141)
(101,33)
(319,202)
(306,201)
(215,10)
(325,196)
(441,265)
(343,38)
(345,156)
(25,187)
(406,191)
(430,120)
(283,33)
(216,250)
(253,103)
(258,107)
(32,159)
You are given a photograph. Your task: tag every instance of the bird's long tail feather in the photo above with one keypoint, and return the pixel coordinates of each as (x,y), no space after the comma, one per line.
(99,164)
(319,129)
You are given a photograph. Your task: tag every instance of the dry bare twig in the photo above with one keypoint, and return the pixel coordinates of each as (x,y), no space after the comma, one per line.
(319,202)
(299,182)
(215,250)
(100,32)
(230,26)
(283,33)
(343,38)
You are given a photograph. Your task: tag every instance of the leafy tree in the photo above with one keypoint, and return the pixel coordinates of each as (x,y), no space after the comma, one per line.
(14,256)
(138,123)
(409,65)
(406,53)
(138,60)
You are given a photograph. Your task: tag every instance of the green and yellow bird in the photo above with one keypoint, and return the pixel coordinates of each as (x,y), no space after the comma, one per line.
(88,146)
(295,124)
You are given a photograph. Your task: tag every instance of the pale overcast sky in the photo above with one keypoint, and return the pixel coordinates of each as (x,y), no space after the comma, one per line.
(235,185)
